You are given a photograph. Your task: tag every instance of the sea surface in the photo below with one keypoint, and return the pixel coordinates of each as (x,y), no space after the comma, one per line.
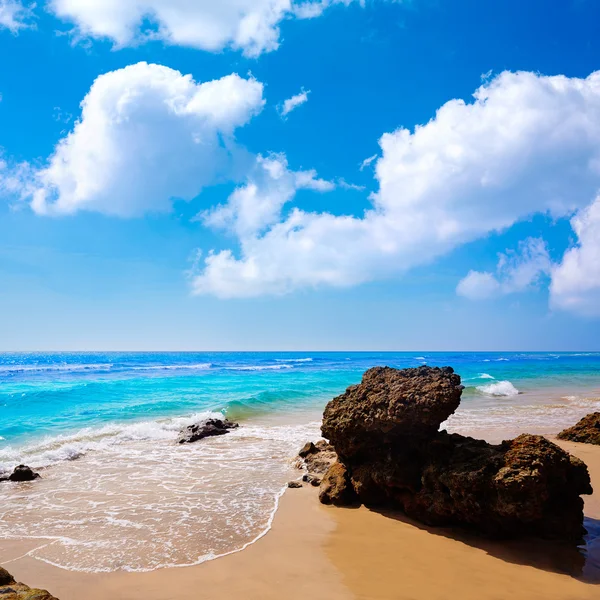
(117,492)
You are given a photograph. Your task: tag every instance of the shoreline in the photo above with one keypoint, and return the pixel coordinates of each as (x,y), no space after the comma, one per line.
(350,553)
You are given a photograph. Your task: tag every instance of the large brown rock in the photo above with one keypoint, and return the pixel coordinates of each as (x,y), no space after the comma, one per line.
(336,487)
(11,590)
(586,431)
(526,486)
(388,404)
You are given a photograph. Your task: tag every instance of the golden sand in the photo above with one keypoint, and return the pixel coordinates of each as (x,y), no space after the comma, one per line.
(326,553)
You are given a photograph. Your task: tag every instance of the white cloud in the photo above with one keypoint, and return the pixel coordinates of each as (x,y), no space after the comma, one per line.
(249,25)
(292,103)
(14,15)
(147,134)
(478,285)
(345,185)
(309,9)
(516,272)
(526,144)
(257,205)
(367,162)
(576,280)
(15,179)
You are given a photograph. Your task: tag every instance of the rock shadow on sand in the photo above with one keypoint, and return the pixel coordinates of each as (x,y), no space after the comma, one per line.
(581,562)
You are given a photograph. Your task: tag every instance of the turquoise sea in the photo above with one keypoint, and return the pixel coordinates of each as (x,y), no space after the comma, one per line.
(118,494)
(53,394)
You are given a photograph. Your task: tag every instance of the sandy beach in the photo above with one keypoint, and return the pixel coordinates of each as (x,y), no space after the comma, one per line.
(345,554)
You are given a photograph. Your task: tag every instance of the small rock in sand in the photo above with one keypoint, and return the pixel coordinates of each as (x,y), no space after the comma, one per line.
(294,484)
(312,479)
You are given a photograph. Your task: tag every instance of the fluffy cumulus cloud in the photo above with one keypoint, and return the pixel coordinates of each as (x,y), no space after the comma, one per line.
(257,205)
(249,25)
(14,15)
(516,272)
(147,134)
(526,144)
(576,280)
(292,103)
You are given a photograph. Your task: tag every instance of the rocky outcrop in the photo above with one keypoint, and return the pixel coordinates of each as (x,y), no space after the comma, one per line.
(587,431)
(317,458)
(391,453)
(388,404)
(210,428)
(11,590)
(336,487)
(22,473)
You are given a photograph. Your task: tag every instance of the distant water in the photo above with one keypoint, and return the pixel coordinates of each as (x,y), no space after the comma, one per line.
(118,493)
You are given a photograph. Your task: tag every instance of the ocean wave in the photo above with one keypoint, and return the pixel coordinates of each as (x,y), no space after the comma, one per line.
(54,368)
(103,514)
(196,367)
(293,360)
(261,368)
(501,388)
(486,376)
(61,448)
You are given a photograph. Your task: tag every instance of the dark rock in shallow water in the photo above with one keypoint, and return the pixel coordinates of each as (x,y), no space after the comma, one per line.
(294,484)
(210,428)
(22,473)
(526,486)
(11,590)
(586,431)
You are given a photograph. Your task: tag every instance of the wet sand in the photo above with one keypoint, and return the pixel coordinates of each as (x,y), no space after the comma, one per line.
(322,552)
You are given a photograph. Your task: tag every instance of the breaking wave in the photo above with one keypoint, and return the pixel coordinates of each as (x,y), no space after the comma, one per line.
(501,388)
(52,450)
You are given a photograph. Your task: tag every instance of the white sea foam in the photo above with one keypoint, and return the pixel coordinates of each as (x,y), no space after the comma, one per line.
(51,450)
(293,360)
(54,368)
(501,418)
(501,388)
(141,502)
(485,376)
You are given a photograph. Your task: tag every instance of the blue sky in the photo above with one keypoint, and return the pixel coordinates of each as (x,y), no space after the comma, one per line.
(482,228)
